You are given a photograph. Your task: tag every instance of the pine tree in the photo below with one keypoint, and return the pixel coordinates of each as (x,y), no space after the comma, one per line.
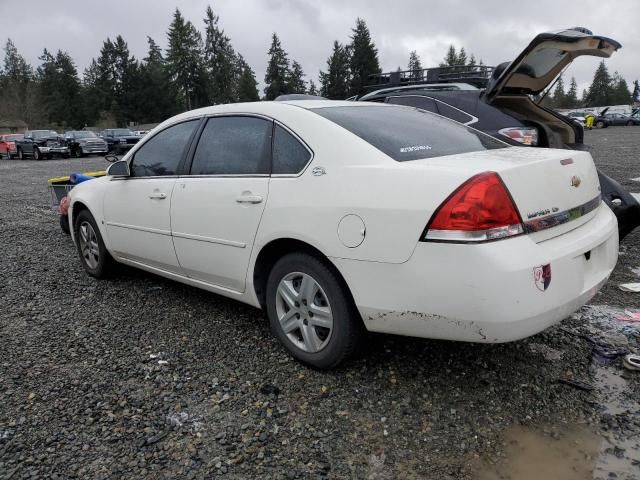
(559,96)
(414,66)
(600,90)
(571,98)
(59,87)
(220,60)
(185,62)
(19,93)
(296,79)
(462,57)
(451,58)
(247,86)
(472,61)
(277,75)
(363,58)
(334,84)
(157,97)
(635,96)
(313,90)
(620,94)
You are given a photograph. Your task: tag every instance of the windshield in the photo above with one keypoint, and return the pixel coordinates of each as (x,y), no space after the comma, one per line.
(43,134)
(121,132)
(83,134)
(406,133)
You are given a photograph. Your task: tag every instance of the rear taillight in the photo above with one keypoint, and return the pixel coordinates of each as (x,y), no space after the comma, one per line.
(480,210)
(524,135)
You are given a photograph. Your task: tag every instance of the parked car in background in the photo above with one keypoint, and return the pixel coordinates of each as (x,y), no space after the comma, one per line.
(119,140)
(412,225)
(41,144)
(140,133)
(84,142)
(8,144)
(577,116)
(606,119)
(499,101)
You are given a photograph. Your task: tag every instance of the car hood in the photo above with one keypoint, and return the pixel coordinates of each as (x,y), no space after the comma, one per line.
(544,59)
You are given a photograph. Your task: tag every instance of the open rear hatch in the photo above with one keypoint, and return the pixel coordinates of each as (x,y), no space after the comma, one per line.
(545,58)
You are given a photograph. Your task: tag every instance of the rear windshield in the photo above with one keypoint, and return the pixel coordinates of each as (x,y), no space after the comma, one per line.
(406,133)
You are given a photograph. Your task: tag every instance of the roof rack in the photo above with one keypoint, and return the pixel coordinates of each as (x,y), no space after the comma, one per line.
(476,75)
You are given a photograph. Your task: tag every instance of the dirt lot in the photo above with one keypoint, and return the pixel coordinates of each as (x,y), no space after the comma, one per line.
(139,377)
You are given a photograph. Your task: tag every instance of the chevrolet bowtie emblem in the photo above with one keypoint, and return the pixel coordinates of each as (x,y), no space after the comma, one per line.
(575,181)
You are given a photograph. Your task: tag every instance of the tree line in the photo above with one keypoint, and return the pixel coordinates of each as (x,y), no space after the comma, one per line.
(200,68)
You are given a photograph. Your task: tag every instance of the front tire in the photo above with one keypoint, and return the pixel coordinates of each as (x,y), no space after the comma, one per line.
(600,124)
(93,253)
(77,153)
(64,224)
(20,154)
(310,311)
(629,123)
(36,154)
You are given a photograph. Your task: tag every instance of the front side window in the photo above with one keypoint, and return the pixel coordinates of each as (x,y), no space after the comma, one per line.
(161,154)
(289,155)
(233,145)
(405,133)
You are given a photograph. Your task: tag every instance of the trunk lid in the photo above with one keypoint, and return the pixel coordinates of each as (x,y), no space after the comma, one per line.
(544,59)
(555,191)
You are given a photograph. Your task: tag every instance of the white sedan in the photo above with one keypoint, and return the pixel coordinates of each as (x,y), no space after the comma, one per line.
(340,217)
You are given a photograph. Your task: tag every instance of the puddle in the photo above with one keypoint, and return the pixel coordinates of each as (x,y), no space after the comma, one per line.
(534,455)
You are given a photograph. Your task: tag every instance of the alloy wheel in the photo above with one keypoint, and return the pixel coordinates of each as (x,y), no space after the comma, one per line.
(304,312)
(89,245)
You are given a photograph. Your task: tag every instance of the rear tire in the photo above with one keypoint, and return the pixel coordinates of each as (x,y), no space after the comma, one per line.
(77,153)
(310,311)
(93,253)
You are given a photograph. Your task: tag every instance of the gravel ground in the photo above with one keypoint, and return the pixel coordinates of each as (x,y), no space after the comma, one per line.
(140,377)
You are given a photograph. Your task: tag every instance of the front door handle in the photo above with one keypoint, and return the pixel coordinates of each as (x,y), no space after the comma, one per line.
(158,195)
(249,199)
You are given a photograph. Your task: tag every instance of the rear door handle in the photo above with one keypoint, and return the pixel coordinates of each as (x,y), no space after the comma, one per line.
(249,199)
(158,195)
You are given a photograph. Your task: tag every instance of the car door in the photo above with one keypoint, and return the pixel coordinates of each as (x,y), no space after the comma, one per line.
(137,208)
(216,209)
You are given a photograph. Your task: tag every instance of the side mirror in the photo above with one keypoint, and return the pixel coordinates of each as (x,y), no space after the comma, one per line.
(119,169)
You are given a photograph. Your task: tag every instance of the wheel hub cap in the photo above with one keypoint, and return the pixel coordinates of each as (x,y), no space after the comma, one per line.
(89,245)
(304,312)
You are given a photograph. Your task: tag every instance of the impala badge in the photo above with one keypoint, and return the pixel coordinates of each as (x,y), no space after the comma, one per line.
(575,181)
(317,171)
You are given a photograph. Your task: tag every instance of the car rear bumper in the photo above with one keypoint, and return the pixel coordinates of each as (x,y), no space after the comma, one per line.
(486,292)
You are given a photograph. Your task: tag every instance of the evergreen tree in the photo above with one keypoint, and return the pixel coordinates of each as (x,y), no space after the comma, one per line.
(220,60)
(635,96)
(277,75)
(185,62)
(571,98)
(559,96)
(296,79)
(334,84)
(620,94)
(363,58)
(414,66)
(462,57)
(247,86)
(472,61)
(59,87)
(157,97)
(313,90)
(451,58)
(600,90)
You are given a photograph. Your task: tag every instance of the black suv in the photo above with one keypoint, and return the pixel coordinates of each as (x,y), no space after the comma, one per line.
(500,101)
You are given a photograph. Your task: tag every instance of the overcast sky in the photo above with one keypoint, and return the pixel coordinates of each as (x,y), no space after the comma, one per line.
(493,30)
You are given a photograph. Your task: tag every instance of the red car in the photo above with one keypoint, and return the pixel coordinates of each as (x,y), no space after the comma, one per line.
(8,144)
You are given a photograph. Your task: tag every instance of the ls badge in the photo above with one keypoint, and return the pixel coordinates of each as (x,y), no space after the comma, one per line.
(542,276)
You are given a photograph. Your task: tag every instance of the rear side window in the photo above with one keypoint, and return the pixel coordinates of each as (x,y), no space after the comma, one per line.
(405,133)
(233,146)
(161,154)
(289,155)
